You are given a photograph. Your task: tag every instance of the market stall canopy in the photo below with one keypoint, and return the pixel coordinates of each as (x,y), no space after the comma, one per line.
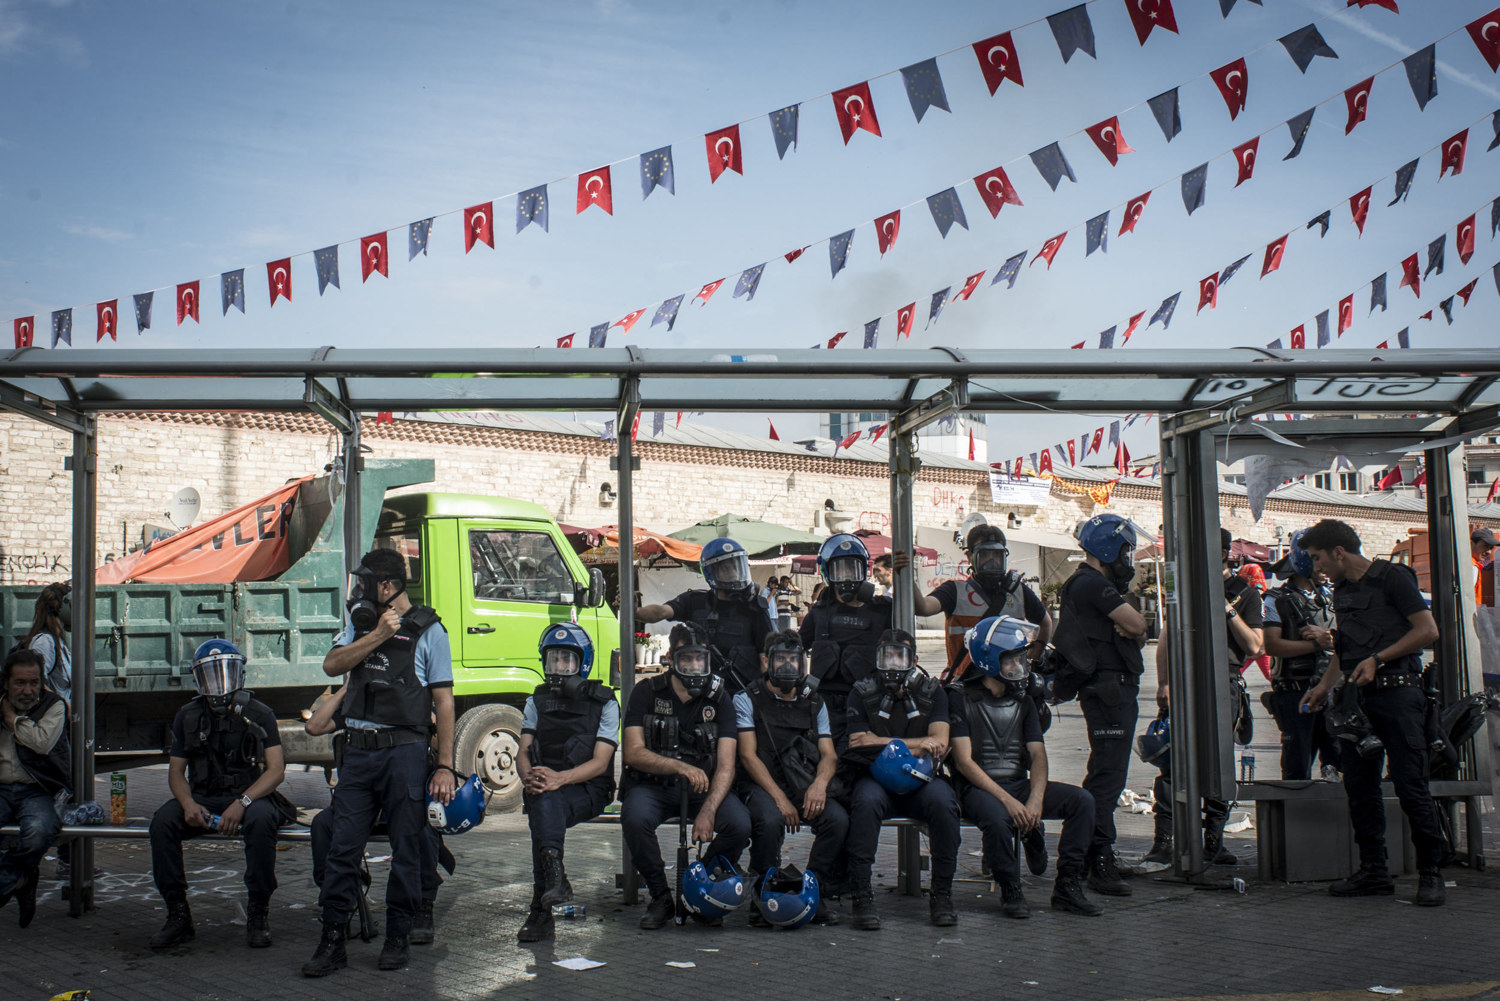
(650,547)
(877,544)
(582,539)
(1252,551)
(761,539)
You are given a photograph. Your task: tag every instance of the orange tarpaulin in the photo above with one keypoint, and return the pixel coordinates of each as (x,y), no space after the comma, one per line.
(248,543)
(649,543)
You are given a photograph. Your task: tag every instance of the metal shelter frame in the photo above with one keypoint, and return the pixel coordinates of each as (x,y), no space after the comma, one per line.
(1195,392)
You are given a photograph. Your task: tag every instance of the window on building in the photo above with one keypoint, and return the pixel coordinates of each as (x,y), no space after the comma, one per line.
(1478,476)
(1349,482)
(1323,481)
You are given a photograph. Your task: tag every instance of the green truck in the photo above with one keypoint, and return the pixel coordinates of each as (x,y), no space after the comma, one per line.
(496,570)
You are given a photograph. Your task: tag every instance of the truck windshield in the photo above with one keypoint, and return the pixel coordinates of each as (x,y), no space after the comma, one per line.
(510,565)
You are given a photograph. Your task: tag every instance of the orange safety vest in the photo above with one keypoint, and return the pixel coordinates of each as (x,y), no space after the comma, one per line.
(970,607)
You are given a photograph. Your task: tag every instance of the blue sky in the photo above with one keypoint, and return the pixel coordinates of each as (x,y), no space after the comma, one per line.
(143,145)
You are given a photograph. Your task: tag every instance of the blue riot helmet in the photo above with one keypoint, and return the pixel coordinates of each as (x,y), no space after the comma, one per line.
(726,567)
(999,646)
(1297,560)
(712,889)
(567,657)
(1111,540)
(218,671)
(465,812)
(787,898)
(1154,747)
(899,771)
(843,563)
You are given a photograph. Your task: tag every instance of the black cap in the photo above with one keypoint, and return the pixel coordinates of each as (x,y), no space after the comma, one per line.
(1484,535)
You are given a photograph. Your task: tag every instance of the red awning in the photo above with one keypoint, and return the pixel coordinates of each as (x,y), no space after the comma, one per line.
(1247,550)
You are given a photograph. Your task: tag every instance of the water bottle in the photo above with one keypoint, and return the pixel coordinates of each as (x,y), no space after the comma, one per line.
(1247,767)
(569,912)
(213,820)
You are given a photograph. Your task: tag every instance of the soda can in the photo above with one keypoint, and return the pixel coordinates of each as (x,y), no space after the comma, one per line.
(569,912)
(117,799)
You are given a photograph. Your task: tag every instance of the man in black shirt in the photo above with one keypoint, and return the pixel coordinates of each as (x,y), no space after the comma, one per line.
(1383,627)
(1300,637)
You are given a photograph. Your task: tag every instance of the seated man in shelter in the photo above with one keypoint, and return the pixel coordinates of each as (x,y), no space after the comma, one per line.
(35,765)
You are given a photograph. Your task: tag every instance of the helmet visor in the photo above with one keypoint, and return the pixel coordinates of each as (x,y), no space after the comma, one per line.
(728,572)
(1014,666)
(989,558)
(787,662)
(561,661)
(220,674)
(846,570)
(893,657)
(691,661)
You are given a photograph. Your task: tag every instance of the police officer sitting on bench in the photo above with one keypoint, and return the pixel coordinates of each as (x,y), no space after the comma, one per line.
(678,729)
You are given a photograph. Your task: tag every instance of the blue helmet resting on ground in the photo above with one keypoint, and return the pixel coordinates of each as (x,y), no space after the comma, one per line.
(787,898)
(712,889)
(898,770)
(1154,747)
(1111,540)
(218,671)
(726,566)
(999,647)
(464,813)
(567,657)
(844,563)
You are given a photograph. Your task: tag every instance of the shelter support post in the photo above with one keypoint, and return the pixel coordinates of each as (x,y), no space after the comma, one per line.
(354,464)
(84,464)
(904,465)
(625,415)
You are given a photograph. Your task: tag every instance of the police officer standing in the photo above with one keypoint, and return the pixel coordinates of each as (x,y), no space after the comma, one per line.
(731,612)
(899,701)
(679,755)
(400,676)
(225,761)
(569,730)
(1383,627)
(841,630)
(786,750)
(1299,634)
(1100,636)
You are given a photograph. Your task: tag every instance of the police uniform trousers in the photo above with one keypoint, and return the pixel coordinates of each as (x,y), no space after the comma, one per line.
(169,829)
(768,832)
(649,804)
(393,779)
(934,804)
(1215,811)
(1302,736)
(552,813)
(29,806)
(1397,717)
(322,836)
(1070,804)
(1109,704)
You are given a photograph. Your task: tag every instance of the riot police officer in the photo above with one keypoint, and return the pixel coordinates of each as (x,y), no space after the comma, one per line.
(679,754)
(1100,638)
(731,612)
(569,731)
(1383,627)
(1001,762)
(1299,634)
(899,702)
(842,629)
(789,761)
(225,761)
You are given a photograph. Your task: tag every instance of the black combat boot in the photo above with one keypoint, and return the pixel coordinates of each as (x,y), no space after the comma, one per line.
(658,912)
(1214,852)
(26,895)
(865,918)
(1369,881)
(1014,901)
(555,886)
(179,927)
(539,925)
(1067,895)
(1034,842)
(330,955)
(423,931)
(1161,846)
(1430,890)
(258,924)
(394,954)
(940,907)
(1103,876)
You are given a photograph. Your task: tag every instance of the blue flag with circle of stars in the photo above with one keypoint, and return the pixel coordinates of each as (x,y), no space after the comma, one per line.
(327,261)
(946,210)
(1404,174)
(838,252)
(749,282)
(872,333)
(1052,165)
(1305,44)
(667,312)
(1164,311)
(939,300)
(924,87)
(1435,253)
(62,326)
(1377,294)
(1421,73)
(143,311)
(1404,337)
(1323,336)
(232,289)
(1096,234)
(1225,6)
(1009,271)
(1165,108)
(1447,307)
(1298,127)
(1228,272)
(1495,217)
(1495,124)
(597,335)
(1193,184)
(656,171)
(1321,219)
(1072,31)
(1275,345)
(784,130)
(416,239)
(531,207)
(1107,339)
(658,423)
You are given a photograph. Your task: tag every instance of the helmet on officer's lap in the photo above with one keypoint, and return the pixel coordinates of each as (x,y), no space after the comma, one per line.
(898,770)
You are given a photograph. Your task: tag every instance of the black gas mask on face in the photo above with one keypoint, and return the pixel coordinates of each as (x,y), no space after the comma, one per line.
(786,667)
(693,667)
(845,574)
(989,563)
(1122,571)
(362,598)
(894,665)
(563,668)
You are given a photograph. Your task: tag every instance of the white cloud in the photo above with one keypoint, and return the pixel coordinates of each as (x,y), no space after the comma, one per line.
(97,232)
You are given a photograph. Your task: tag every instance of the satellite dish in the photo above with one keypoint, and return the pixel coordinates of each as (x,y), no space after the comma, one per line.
(183,510)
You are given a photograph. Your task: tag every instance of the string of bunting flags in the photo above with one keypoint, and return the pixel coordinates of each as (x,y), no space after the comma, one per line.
(999,61)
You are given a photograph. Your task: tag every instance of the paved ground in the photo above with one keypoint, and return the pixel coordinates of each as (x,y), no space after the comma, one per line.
(1167,940)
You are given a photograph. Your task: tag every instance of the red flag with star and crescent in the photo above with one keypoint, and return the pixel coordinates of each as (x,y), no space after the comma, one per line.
(1486,34)
(1135,321)
(905,316)
(594,189)
(1096,441)
(1148,14)
(970,284)
(1359,209)
(855,111)
(279,279)
(1244,158)
(109,313)
(628,320)
(1494,491)
(792,255)
(723,149)
(1133,210)
(1453,154)
(1110,140)
(1357,98)
(971,444)
(1466,240)
(479,225)
(1411,275)
(1233,81)
(1072,453)
(1208,292)
(833,341)
(1346,314)
(1049,249)
(1274,250)
(773,436)
(707,292)
(1299,337)
(877,431)
(1467,291)
(187,302)
(1077,347)
(566,342)
(996,190)
(373,256)
(998,61)
(1044,464)
(1019,469)
(887,228)
(25,331)
(850,440)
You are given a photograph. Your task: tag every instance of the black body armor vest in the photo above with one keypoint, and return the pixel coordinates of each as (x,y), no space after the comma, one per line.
(567,730)
(225,753)
(1306,610)
(997,733)
(843,647)
(691,736)
(1368,622)
(731,630)
(909,717)
(384,689)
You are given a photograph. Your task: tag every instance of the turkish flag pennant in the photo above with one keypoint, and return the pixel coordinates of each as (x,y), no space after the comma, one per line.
(774,435)
(187,302)
(1109,139)
(833,341)
(279,279)
(1135,321)
(1358,100)
(1494,491)
(1148,14)
(1467,291)
(1233,81)
(628,320)
(1050,248)
(1466,240)
(905,317)
(1426,316)
(855,110)
(970,284)
(877,431)
(996,190)
(971,444)
(1359,209)
(1096,441)
(25,331)
(1389,480)
(1411,275)
(1122,458)
(385,417)
(1274,250)
(109,313)
(1208,292)
(1346,314)
(635,427)
(479,225)
(1072,453)
(1389,5)
(1244,157)
(1383,345)
(373,256)
(792,255)
(887,228)
(1019,469)
(1299,338)
(1486,34)
(723,148)
(1044,464)
(1421,479)
(1133,210)
(594,189)
(1079,346)
(850,440)
(707,292)
(566,342)
(998,61)
(1453,154)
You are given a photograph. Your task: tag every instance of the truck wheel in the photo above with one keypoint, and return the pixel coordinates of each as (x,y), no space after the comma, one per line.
(487,741)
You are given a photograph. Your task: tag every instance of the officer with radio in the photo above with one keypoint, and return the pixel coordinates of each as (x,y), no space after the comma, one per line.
(1299,634)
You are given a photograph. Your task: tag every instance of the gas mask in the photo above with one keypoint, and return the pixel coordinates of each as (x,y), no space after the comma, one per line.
(693,667)
(62,595)
(845,574)
(362,601)
(786,666)
(894,664)
(1015,671)
(989,563)
(562,667)
(1122,571)
(1346,720)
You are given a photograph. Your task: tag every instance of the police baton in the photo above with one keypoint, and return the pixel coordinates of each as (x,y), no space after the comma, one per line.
(682,843)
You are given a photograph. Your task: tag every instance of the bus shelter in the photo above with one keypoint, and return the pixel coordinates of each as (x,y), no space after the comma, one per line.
(1430,400)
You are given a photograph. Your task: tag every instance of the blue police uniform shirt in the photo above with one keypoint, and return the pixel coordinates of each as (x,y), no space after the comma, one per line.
(609,721)
(434,665)
(744,715)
